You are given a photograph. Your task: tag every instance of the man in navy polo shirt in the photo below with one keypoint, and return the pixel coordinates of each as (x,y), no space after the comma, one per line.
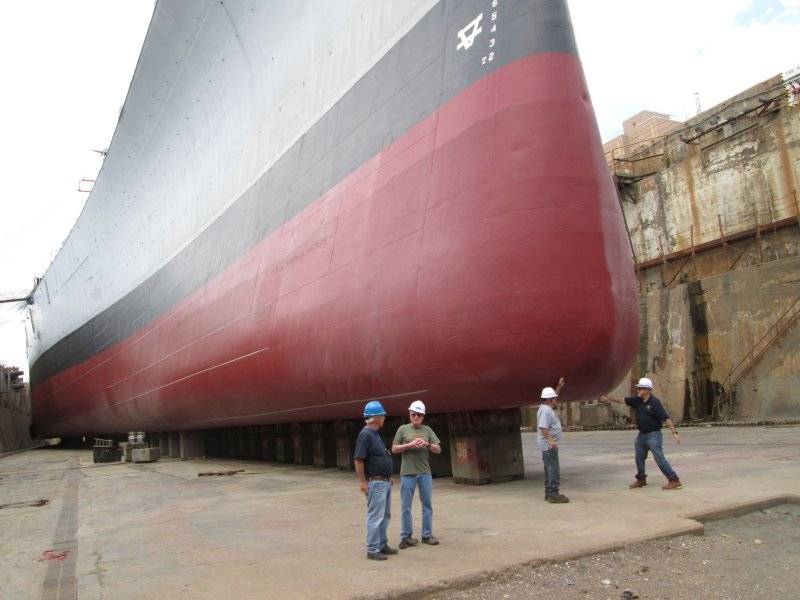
(650,414)
(374,470)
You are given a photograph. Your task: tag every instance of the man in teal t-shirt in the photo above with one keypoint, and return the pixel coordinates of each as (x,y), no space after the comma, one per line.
(415,441)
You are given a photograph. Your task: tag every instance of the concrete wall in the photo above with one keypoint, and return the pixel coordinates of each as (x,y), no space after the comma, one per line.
(694,333)
(732,171)
(13,430)
(742,306)
(15,419)
(734,176)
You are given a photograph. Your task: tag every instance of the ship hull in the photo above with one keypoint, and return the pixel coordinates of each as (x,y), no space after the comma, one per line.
(476,257)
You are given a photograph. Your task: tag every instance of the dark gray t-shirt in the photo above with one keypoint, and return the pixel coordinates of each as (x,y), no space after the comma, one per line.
(371,449)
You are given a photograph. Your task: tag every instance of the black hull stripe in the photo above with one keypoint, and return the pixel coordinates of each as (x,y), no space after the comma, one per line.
(423,70)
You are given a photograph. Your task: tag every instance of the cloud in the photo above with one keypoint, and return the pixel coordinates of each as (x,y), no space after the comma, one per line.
(70,66)
(770,11)
(656,56)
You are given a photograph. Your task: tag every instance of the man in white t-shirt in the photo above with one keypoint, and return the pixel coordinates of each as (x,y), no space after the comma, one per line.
(548,427)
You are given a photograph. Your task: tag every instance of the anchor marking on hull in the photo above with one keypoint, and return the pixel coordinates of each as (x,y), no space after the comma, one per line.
(469,33)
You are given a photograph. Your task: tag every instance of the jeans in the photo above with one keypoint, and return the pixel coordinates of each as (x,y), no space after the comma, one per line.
(552,472)
(379,513)
(407,485)
(652,441)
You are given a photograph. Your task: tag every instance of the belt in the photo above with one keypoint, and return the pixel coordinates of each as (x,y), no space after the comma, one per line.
(379,478)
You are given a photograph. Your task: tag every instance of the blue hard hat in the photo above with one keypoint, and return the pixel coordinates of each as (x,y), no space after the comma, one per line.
(374,409)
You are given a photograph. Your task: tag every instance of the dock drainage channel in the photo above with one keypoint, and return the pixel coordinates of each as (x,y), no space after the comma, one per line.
(35,503)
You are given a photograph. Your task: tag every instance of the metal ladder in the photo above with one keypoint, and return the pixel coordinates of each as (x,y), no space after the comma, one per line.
(727,398)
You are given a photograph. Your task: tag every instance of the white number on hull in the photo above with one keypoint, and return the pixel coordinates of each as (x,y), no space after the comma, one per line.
(494,13)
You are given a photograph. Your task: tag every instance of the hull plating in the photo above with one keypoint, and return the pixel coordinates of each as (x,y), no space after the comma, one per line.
(474,259)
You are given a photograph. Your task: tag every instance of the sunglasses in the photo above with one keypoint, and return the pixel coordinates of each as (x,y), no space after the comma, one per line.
(412,415)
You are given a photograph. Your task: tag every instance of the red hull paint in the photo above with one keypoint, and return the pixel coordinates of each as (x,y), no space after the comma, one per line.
(473,261)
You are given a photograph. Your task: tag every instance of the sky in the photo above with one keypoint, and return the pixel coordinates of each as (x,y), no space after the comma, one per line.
(66,67)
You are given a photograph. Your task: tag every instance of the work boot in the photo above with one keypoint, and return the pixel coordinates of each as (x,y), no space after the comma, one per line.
(637,483)
(408,542)
(558,499)
(388,551)
(674,484)
(430,540)
(375,556)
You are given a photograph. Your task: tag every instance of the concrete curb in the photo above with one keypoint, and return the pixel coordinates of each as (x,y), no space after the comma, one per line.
(694,526)
(466,581)
(737,510)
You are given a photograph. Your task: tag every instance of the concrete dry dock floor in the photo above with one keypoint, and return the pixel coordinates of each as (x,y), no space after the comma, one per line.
(283,531)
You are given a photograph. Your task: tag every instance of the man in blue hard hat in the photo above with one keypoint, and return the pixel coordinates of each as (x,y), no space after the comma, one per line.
(374,469)
(650,414)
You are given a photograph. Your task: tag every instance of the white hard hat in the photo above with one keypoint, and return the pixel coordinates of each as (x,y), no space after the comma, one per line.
(417,406)
(645,383)
(548,393)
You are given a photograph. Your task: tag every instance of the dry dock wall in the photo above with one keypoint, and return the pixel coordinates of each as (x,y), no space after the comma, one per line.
(15,412)
(712,215)
(694,333)
(729,170)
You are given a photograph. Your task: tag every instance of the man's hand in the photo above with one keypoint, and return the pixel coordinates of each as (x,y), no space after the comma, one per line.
(606,399)
(551,443)
(364,487)
(561,382)
(668,422)
(415,443)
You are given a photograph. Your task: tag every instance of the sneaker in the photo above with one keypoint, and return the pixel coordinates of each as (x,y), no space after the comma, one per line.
(638,483)
(430,540)
(558,499)
(408,542)
(388,551)
(675,484)
(376,556)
